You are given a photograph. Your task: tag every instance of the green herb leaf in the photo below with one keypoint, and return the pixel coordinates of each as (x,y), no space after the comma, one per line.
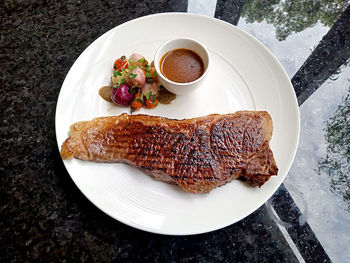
(148,75)
(132,76)
(139,100)
(130,61)
(133,67)
(115,73)
(154,73)
(122,81)
(141,60)
(147,68)
(148,95)
(152,97)
(130,90)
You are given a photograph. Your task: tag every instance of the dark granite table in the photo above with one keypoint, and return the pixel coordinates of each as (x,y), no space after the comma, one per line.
(45,218)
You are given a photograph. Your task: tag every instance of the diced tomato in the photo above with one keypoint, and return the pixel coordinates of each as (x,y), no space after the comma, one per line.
(138,95)
(121,62)
(151,75)
(153,72)
(150,105)
(137,103)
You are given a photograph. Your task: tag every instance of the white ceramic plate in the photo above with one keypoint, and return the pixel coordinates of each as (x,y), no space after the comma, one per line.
(244,75)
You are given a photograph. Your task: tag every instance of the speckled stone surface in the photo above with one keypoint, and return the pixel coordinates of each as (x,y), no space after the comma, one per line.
(229,11)
(44,217)
(325,60)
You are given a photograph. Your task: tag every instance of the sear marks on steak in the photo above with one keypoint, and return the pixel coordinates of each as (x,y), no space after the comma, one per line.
(197,154)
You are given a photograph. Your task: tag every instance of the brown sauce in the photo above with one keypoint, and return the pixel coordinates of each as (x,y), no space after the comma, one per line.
(106,92)
(165,97)
(182,65)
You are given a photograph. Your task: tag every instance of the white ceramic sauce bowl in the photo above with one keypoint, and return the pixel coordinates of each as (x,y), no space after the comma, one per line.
(187,43)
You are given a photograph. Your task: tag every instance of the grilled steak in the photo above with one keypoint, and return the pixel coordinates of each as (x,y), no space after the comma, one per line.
(197,154)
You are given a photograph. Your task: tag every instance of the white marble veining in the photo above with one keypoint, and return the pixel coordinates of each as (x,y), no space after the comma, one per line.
(203,7)
(291,52)
(326,212)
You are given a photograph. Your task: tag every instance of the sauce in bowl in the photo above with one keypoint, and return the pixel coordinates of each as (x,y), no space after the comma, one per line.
(182,65)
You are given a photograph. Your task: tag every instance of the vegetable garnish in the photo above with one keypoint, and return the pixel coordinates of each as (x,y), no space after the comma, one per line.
(148,75)
(150,104)
(132,76)
(122,81)
(134,83)
(147,68)
(117,73)
(136,105)
(120,63)
(148,95)
(139,100)
(121,95)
